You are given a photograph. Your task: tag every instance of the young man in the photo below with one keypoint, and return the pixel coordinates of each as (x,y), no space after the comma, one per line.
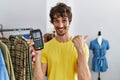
(64,56)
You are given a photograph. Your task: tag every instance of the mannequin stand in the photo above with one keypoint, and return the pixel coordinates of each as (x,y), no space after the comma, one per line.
(99,76)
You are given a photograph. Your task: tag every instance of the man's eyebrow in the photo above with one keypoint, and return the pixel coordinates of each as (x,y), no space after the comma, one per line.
(54,18)
(58,17)
(65,17)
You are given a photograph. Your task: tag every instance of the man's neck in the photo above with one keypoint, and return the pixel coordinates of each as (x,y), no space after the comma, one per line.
(63,38)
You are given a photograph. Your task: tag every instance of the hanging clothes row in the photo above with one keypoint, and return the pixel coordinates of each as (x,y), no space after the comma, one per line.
(20,56)
(3,70)
(7,59)
(15,29)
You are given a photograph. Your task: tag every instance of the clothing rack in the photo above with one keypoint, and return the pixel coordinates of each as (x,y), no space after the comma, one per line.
(16,29)
(1,27)
(19,30)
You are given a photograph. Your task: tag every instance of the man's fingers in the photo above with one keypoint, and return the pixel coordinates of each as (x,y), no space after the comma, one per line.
(85,37)
(30,42)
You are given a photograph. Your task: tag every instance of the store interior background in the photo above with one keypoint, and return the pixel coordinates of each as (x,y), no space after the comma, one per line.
(89,16)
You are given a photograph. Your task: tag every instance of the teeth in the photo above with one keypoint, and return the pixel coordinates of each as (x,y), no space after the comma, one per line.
(60,29)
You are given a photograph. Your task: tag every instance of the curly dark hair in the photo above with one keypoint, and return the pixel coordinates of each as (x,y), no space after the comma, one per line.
(61,9)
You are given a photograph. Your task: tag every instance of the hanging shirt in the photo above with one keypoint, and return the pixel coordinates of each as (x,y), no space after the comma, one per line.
(3,70)
(99,61)
(7,58)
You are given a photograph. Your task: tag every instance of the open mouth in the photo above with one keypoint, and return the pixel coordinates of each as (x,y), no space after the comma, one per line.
(60,30)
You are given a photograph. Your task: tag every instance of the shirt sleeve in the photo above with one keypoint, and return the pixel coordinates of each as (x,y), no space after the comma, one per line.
(44,57)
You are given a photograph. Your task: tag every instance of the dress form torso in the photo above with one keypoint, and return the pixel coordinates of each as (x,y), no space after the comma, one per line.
(99,39)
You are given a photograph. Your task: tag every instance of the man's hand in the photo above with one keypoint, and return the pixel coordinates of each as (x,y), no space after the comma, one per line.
(79,41)
(83,68)
(31,43)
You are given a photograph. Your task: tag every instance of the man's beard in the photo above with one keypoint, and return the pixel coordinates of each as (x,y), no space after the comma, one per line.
(64,28)
(61,34)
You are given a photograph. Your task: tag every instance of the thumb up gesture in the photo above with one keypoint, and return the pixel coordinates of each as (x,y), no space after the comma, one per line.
(79,41)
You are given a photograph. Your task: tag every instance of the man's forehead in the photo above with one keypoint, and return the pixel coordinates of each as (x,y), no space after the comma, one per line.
(55,17)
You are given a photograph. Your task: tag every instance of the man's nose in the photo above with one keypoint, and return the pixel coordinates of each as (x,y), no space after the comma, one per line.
(60,24)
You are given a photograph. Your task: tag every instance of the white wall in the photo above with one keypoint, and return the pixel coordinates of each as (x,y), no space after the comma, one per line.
(23,14)
(89,16)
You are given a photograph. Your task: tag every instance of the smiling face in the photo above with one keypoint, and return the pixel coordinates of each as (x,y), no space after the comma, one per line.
(61,25)
(61,18)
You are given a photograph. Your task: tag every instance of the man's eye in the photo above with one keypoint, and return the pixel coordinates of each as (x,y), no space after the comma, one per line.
(64,20)
(56,21)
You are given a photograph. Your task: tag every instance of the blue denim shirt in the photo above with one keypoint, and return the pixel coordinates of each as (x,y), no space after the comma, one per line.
(3,70)
(99,61)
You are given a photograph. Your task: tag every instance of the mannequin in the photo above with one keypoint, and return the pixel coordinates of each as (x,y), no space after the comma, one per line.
(99,38)
(99,46)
